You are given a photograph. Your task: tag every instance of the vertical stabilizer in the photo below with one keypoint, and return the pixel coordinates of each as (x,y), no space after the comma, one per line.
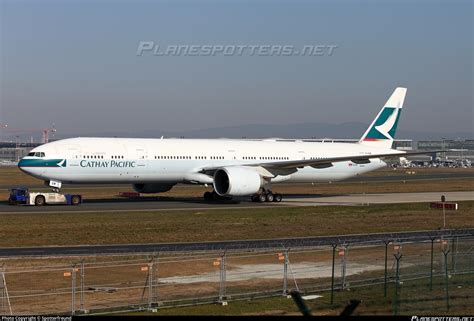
(382,130)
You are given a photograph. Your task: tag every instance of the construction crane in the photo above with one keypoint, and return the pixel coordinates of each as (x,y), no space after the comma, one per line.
(16,131)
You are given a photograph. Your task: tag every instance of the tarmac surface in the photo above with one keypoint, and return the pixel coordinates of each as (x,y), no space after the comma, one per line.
(383,198)
(239,245)
(168,204)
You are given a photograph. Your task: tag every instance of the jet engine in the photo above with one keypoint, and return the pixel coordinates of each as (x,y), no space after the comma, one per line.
(237,181)
(152,188)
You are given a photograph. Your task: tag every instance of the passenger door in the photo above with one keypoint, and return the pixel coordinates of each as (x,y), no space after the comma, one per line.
(141,156)
(73,155)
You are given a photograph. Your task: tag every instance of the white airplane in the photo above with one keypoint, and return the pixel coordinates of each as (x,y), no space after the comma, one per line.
(233,167)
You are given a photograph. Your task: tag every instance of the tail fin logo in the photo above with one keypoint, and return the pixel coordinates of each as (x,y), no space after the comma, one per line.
(387,126)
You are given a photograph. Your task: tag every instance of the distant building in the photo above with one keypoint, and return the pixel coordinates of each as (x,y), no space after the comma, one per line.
(12,152)
(19,145)
(467,144)
(455,149)
(403,144)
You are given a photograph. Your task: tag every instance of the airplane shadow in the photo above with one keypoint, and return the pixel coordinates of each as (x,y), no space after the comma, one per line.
(311,195)
(199,200)
(161,199)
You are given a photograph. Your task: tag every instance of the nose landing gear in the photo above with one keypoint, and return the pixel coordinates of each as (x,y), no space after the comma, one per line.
(55,185)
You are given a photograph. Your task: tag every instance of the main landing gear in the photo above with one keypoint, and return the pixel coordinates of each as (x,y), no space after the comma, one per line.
(267,196)
(263,196)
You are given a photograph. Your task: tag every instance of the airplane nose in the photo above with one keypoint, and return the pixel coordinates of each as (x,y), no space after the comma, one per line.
(26,165)
(21,165)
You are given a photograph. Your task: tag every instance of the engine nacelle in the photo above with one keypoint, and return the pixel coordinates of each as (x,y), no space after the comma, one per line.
(237,181)
(152,188)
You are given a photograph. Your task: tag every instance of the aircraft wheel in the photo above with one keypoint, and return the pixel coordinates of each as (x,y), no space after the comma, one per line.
(277,198)
(208,196)
(269,197)
(215,196)
(261,198)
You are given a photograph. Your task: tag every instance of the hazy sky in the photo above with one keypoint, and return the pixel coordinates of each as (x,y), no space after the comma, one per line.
(74,63)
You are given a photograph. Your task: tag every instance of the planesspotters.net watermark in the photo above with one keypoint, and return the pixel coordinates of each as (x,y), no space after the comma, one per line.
(152,48)
(442,318)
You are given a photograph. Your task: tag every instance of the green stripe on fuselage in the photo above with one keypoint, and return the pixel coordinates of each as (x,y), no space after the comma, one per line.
(42,163)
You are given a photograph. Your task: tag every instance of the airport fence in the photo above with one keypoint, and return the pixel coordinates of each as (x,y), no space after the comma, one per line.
(423,276)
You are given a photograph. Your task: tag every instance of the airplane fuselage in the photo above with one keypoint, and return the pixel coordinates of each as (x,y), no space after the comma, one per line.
(130,160)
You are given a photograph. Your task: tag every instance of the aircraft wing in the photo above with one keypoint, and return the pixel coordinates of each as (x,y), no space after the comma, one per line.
(293,165)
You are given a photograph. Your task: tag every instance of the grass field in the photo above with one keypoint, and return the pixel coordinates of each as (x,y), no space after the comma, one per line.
(213,225)
(415,299)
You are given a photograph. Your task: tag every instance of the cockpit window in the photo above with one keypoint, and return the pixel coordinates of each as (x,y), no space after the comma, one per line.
(37,154)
